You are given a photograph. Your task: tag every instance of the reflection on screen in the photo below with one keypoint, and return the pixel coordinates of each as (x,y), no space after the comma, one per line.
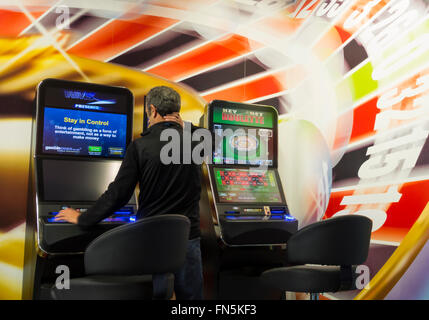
(66,180)
(84,133)
(247,185)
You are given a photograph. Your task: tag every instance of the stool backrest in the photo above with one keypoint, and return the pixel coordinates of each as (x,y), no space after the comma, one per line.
(337,241)
(152,245)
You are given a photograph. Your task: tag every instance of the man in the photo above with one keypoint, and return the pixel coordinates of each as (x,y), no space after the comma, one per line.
(164,189)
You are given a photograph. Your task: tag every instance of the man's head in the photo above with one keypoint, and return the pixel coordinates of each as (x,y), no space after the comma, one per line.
(161,101)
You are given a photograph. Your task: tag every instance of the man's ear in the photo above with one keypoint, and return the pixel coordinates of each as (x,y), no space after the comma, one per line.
(153,111)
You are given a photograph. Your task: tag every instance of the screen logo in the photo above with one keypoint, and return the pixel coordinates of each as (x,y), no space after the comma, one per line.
(88,97)
(243,117)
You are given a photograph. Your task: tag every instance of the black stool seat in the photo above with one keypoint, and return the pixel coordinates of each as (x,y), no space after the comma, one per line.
(324,255)
(101,287)
(120,263)
(311,279)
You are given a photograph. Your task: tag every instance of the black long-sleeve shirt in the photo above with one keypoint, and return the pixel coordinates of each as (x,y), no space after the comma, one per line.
(164,189)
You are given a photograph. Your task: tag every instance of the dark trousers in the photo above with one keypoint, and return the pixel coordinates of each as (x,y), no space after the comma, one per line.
(188,280)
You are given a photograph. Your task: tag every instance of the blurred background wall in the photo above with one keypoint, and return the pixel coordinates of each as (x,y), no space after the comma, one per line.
(357,70)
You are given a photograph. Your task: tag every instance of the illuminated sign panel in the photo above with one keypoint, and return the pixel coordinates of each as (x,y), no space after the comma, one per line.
(243,117)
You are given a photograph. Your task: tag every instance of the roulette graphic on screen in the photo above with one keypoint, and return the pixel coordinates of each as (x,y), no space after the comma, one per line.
(242,136)
(243,146)
(241,142)
(244,185)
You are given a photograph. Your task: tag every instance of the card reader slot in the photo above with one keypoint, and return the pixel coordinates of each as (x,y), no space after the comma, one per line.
(278,212)
(125,211)
(282,217)
(120,219)
(232,212)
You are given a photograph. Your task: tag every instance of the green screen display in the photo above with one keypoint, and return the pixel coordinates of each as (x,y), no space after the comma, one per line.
(243,145)
(246,185)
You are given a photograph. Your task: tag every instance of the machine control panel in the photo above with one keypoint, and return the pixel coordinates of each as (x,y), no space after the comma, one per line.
(125,214)
(257,213)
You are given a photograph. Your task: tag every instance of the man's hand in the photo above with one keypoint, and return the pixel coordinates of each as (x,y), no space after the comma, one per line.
(174,117)
(69,215)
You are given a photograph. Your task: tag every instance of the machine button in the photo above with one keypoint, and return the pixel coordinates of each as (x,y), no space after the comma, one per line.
(267,210)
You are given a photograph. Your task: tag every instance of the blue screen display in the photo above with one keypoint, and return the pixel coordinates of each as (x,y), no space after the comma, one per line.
(84,133)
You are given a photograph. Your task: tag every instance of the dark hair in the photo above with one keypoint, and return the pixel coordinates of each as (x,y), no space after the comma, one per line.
(165,100)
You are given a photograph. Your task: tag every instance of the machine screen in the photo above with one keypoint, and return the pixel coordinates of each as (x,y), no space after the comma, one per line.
(66,180)
(80,119)
(243,137)
(246,185)
(84,133)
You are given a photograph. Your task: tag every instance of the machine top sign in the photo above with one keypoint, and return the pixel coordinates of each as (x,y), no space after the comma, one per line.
(243,117)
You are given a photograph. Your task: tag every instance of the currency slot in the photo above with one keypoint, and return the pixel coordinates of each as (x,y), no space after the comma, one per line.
(253,210)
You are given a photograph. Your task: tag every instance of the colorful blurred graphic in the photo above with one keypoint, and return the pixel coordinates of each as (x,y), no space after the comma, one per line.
(355,71)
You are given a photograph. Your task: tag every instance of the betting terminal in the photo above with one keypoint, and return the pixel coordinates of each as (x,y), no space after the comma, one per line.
(80,135)
(244,215)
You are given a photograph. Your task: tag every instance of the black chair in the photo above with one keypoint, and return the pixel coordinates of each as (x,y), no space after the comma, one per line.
(120,263)
(323,256)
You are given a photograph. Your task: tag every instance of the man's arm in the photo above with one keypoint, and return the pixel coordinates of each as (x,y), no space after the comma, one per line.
(116,196)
